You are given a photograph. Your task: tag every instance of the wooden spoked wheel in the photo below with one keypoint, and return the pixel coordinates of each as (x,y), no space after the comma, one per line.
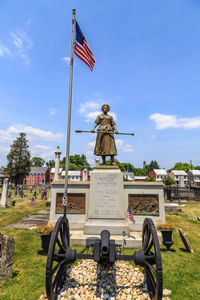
(152,260)
(59,256)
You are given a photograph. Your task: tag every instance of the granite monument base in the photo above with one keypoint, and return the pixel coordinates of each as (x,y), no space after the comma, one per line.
(106,202)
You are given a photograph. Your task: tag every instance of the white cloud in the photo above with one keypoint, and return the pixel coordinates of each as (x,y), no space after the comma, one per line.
(91,144)
(4,51)
(18,45)
(44,151)
(52,111)
(170,121)
(122,146)
(7,135)
(22,44)
(91,109)
(91,116)
(66,59)
(89,105)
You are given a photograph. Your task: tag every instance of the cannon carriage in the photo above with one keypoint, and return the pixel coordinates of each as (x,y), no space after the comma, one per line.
(104,251)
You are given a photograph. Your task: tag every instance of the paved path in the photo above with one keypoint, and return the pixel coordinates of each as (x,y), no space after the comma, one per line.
(30,222)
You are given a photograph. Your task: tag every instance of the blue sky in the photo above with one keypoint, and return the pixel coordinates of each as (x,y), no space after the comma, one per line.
(147,69)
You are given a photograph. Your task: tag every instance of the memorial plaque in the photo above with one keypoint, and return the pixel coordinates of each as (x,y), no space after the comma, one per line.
(144,204)
(75,205)
(106,196)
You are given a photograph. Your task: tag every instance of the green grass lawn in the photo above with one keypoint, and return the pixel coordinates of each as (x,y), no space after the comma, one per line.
(181,269)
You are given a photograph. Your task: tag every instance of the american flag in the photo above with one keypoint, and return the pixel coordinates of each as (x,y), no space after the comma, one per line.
(130,216)
(82,49)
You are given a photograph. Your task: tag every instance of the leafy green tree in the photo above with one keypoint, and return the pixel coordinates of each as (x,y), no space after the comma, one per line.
(168,180)
(197,168)
(141,172)
(37,162)
(18,159)
(51,163)
(76,162)
(149,179)
(153,165)
(182,166)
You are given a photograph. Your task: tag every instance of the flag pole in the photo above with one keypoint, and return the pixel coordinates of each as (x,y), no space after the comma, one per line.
(69,114)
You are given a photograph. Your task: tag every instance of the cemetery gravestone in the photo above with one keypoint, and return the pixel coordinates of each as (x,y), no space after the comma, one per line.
(185,241)
(6,257)
(4,196)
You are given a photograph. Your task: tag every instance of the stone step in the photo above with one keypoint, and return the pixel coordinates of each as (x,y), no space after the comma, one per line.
(134,241)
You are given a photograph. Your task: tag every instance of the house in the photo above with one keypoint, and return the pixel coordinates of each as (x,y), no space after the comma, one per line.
(180,177)
(158,174)
(194,177)
(140,178)
(52,173)
(129,176)
(38,175)
(81,175)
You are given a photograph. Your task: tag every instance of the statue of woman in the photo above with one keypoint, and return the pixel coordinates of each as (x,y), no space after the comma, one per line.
(105,142)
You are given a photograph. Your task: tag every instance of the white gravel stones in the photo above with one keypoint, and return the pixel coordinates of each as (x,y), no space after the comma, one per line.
(87,280)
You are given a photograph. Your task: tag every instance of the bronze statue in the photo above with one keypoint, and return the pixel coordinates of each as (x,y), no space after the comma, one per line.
(105,142)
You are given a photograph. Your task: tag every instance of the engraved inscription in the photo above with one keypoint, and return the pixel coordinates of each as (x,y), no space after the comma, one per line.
(106,196)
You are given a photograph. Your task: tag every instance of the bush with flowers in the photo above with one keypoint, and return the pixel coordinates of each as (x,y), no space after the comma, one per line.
(47,229)
(165,226)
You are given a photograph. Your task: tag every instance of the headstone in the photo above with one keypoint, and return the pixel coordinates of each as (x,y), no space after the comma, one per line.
(6,257)
(185,241)
(21,193)
(35,195)
(170,207)
(4,196)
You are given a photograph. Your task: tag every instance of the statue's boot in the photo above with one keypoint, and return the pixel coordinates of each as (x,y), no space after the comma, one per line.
(112,160)
(104,159)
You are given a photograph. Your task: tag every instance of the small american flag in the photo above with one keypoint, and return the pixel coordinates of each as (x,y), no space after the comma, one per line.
(82,49)
(130,216)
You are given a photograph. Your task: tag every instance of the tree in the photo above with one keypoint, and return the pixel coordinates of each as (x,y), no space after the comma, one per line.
(37,162)
(149,179)
(182,166)
(18,159)
(168,180)
(141,172)
(76,162)
(153,165)
(51,163)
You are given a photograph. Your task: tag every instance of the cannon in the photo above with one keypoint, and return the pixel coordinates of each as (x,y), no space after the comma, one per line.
(104,251)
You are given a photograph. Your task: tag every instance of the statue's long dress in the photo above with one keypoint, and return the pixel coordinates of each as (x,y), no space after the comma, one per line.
(105,143)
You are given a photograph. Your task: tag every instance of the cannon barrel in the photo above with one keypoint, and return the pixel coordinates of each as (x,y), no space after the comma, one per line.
(105,242)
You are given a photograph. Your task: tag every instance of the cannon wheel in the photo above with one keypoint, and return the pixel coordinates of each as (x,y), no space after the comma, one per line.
(152,260)
(56,259)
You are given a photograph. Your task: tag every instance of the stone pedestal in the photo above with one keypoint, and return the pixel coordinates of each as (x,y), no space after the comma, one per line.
(106,202)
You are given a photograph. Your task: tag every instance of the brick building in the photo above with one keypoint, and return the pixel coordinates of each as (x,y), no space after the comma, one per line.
(158,174)
(38,176)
